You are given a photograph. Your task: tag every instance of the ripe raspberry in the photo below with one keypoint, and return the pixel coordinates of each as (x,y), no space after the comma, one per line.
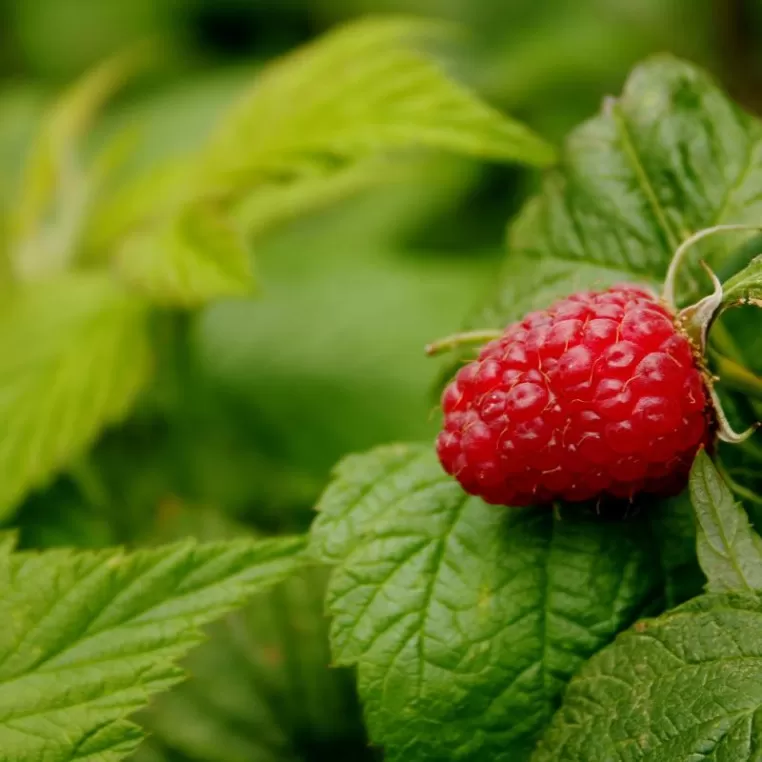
(598,395)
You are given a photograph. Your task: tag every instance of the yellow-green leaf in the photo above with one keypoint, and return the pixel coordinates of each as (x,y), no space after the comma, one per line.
(55,190)
(74,353)
(194,257)
(358,91)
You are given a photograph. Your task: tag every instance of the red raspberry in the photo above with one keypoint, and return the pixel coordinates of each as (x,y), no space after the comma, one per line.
(598,395)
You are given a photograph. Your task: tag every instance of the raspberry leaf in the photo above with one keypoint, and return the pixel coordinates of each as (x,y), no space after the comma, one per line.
(360,89)
(674,528)
(316,126)
(462,617)
(56,186)
(195,257)
(89,636)
(262,687)
(746,286)
(682,687)
(74,354)
(671,156)
(729,550)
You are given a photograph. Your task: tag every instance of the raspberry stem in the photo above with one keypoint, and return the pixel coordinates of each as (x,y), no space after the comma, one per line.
(668,294)
(736,377)
(466,338)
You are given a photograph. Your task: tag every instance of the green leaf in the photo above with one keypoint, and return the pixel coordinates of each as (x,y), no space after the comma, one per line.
(74,354)
(684,687)
(745,287)
(729,550)
(89,636)
(262,686)
(465,620)
(674,529)
(55,189)
(357,91)
(194,257)
(312,125)
(669,157)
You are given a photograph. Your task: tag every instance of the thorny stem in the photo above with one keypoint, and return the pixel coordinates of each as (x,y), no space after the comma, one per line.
(668,294)
(456,340)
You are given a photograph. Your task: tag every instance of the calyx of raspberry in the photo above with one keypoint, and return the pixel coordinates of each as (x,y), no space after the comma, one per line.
(696,319)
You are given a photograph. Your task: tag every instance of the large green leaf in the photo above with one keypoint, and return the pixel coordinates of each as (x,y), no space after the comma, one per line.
(360,89)
(310,130)
(464,620)
(684,687)
(729,550)
(89,636)
(669,157)
(74,353)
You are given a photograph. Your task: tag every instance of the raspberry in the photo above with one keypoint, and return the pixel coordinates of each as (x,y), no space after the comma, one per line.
(599,395)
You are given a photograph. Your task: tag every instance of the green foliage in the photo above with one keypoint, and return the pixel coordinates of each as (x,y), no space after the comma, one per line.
(306,133)
(55,189)
(729,550)
(357,91)
(262,688)
(669,157)
(176,234)
(466,620)
(746,286)
(681,687)
(685,684)
(197,256)
(89,636)
(74,353)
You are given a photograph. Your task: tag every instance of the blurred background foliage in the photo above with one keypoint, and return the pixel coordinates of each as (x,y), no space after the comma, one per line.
(259,397)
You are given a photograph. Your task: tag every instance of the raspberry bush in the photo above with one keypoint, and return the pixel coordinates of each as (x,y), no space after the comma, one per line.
(579,579)
(571,573)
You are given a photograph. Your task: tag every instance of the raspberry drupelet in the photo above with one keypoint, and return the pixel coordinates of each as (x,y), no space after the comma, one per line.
(599,395)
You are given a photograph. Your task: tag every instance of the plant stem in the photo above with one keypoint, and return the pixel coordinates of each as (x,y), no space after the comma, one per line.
(461,339)
(736,377)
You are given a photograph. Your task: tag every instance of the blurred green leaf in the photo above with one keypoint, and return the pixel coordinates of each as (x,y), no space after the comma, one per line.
(310,126)
(359,90)
(195,257)
(73,355)
(53,197)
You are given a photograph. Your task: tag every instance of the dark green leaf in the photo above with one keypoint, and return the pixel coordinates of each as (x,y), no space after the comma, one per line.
(466,620)
(729,550)
(669,157)
(684,687)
